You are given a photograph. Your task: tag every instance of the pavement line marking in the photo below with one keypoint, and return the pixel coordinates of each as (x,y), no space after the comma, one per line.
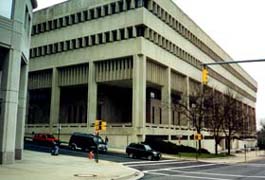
(140,162)
(218,174)
(193,177)
(185,167)
(251,164)
(158,164)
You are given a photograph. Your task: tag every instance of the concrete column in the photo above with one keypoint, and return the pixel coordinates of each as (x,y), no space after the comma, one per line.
(134,31)
(21,113)
(103,38)
(110,36)
(126,35)
(166,98)
(102,11)
(55,99)
(188,96)
(118,35)
(109,9)
(124,5)
(117,7)
(132,5)
(92,96)
(150,5)
(139,96)
(8,118)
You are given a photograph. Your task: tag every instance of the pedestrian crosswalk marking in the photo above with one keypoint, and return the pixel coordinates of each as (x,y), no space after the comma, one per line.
(158,164)
(186,176)
(144,162)
(218,174)
(182,167)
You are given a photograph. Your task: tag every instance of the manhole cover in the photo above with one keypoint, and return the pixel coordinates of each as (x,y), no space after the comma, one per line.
(85,175)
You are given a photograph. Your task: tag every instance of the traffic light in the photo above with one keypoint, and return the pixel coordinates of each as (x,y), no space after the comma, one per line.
(97,125)
(103,125)
(100,125)
(204,75)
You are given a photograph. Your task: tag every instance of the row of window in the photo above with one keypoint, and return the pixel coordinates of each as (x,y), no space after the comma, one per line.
(88,14)
(91,40)
(177,26)
(170,47)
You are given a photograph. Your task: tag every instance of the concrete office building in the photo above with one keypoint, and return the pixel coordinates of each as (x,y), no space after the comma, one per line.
(15,31)
(119,60)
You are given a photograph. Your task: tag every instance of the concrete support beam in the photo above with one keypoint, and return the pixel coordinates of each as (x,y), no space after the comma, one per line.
(92,96)
(166,98)
(21,114)
(188,97)
(9,92)
(55,99)
(139,96)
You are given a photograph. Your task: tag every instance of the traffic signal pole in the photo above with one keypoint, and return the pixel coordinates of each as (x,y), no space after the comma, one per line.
(233,62)
(205,65)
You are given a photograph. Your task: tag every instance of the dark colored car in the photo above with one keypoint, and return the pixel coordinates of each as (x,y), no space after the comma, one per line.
(87,142)
(134,150)
(44,139)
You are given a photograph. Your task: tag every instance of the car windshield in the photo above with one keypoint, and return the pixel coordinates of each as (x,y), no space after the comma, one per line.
(147,147)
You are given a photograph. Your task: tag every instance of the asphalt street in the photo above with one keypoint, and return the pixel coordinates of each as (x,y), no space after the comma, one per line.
(166,169)
(190,170)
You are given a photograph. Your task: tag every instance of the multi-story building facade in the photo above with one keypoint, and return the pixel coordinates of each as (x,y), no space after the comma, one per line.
(119,61)
(15,33)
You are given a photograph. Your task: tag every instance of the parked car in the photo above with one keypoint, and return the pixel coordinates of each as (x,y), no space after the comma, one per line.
(87,142)
(44,139)
(134,150)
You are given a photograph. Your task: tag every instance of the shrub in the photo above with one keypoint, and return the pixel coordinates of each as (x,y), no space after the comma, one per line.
(171,148)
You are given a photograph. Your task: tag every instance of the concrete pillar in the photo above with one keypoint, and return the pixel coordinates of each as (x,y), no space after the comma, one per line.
(8,118)
(117,7)
(92,96)
(126,34)
(55,99)
(21,112)
(124,5)
(166,98)
(134,31)
(150,5)
(109,9)
(118,35)
(139,96)
(132,4)
(110,36)
(103,38)
(102,11)
(188,96)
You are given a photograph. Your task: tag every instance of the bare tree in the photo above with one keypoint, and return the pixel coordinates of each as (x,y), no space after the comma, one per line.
(214,118)
(233,117)
(195,111)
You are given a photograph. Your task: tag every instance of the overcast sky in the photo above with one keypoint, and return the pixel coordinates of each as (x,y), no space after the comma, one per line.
(236,25)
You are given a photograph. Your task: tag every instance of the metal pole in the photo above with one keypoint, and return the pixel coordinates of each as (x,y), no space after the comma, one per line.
(196,150)
(233,62)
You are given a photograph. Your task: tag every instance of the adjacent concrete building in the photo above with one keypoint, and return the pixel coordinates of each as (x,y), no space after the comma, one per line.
(15,35)
(119,61)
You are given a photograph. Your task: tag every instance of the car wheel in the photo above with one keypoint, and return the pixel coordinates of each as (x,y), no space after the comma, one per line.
(150,157)
(73,147)
(130,155)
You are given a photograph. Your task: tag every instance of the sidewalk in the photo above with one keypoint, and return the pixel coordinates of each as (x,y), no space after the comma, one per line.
(43,166)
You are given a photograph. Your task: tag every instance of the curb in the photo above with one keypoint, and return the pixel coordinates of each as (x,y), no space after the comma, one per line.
(132,176)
